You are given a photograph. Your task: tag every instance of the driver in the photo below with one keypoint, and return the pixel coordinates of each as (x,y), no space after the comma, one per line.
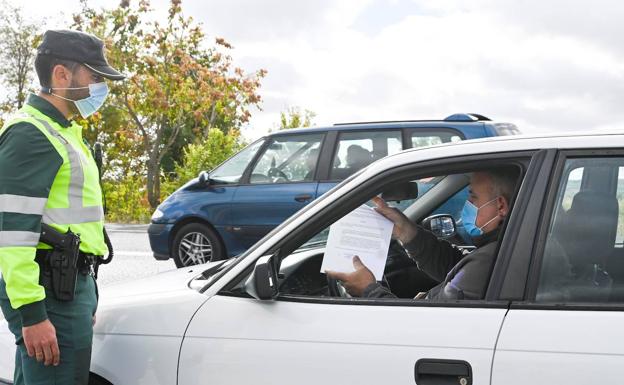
(461,276)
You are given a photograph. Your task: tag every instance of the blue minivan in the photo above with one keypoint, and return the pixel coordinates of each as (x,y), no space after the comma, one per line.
(223,212)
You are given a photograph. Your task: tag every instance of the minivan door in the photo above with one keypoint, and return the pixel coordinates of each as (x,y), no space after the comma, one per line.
(281,182)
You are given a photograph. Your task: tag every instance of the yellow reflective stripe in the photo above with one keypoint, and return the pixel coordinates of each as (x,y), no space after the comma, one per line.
(18,239)
(10,203)
(73,216)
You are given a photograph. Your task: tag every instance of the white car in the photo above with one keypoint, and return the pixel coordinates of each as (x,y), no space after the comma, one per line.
(553,312)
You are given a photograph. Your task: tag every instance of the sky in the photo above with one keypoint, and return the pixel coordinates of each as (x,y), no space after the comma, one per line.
(546,66)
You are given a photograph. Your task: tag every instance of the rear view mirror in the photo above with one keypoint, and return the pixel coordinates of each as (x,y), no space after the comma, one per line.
(442,225)
(400,191)
(262,283)
(276,146)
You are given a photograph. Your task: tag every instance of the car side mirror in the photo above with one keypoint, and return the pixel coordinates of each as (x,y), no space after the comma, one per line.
(262,283)
(204,178)
(400,191)
(442,225)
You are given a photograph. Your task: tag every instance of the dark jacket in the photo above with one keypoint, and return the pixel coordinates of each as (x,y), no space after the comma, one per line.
(461,276)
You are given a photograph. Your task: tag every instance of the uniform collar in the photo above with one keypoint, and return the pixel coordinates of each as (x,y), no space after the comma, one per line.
(48,109)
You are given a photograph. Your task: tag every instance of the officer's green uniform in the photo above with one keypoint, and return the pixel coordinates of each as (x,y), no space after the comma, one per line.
(48,175)
(41,158)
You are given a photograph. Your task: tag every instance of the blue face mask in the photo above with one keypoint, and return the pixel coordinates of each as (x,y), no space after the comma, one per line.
(89,105)
(469,218)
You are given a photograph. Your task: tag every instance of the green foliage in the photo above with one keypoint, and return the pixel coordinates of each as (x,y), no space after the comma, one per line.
(126,200)
(203,155)
(295,117)
(18,38)
(177,86)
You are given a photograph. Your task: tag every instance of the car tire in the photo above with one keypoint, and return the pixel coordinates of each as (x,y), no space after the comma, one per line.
(94,379)
(196,243)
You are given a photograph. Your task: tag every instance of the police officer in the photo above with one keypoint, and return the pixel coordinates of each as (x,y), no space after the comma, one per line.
(48,175)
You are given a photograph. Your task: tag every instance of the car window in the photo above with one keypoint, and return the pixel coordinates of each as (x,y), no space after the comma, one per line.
(419,138)
(356,150)
(232,169)
(424,186)
(288,159)
(302,267)
(583,259)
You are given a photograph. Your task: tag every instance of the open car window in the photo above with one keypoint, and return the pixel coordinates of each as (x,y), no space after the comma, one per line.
(299,267)
(302,268)
(451,206)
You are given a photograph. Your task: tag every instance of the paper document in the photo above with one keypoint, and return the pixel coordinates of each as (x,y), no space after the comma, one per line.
(363,232)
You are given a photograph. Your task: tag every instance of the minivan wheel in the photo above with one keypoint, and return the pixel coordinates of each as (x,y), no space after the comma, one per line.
(196,243)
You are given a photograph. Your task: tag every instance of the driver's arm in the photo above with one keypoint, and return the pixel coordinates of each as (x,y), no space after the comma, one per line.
(434,256)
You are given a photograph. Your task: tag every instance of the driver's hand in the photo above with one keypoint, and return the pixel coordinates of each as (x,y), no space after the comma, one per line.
(355,282)
(404,230)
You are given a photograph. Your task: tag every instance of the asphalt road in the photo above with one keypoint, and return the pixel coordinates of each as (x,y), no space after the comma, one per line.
(133,256)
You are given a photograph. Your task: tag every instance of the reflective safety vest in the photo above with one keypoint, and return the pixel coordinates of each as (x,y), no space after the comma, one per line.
(75,199)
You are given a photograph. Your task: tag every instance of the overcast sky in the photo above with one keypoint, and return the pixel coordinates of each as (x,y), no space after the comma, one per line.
(544,65)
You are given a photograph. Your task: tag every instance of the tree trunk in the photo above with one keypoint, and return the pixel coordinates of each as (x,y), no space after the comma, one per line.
(153,183)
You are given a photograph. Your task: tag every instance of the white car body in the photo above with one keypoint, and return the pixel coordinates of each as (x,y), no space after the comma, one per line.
(162,330)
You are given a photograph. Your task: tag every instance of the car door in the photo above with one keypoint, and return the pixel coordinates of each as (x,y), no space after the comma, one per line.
(235,339)
(281,182)
(567,328)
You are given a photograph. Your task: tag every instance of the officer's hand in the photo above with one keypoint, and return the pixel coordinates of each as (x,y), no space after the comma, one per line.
(355,282)
(404,230)
(40,341)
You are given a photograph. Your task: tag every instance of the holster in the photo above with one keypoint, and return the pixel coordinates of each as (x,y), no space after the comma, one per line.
(58,268)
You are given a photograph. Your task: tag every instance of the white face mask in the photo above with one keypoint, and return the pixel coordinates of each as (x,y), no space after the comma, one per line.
(89,105)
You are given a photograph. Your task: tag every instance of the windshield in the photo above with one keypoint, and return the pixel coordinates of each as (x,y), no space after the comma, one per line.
(231,171)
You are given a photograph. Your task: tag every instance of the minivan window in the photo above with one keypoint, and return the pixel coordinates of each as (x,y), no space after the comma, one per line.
(429,138)
(357,150)
(288,159)
(232,169)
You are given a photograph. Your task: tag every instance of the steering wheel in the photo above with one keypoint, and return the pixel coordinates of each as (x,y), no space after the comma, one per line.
(275,172)
(336,289)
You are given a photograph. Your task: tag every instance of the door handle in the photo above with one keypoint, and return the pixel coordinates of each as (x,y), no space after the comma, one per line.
(303,197)
(431,371)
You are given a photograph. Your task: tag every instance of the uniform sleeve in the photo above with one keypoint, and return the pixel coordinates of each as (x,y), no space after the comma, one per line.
(434,256)
(28,165)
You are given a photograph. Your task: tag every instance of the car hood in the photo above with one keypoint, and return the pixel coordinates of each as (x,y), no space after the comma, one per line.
(165,282)
(159,305)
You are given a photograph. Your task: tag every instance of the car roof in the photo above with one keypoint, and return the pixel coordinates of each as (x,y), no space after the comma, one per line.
(379,125)
(457,121)
(498,144)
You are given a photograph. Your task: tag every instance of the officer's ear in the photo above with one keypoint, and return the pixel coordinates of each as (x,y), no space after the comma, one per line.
(61,76)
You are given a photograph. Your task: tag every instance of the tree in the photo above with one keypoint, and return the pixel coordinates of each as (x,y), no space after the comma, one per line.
(175,86)
(295,117)
(205,155)
(18,38)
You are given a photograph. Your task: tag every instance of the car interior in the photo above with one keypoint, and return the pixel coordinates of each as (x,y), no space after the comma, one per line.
(420,200)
